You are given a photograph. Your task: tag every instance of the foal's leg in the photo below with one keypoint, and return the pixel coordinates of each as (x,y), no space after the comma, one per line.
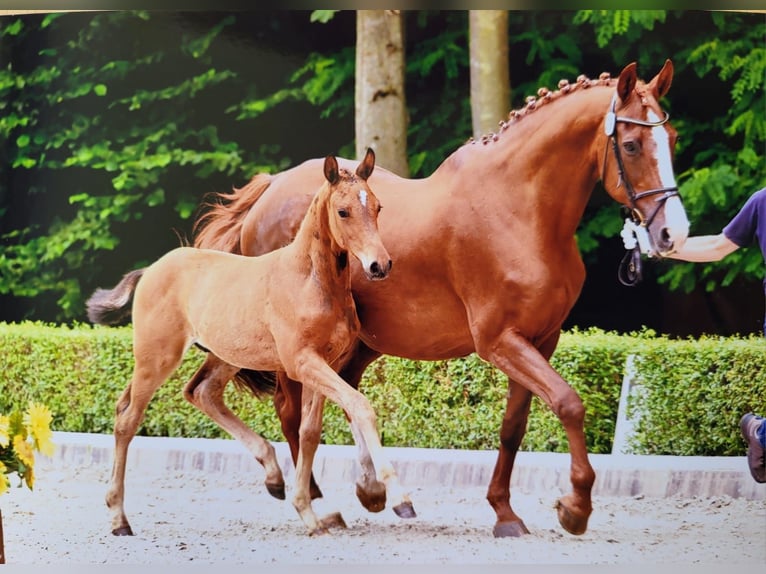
(287,403)
(319,376)
(369,490)
(523,363)
(149,373)
(205,391)
(310,434)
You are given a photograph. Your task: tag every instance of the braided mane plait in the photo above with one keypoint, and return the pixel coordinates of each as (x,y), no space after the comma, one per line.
(545,96)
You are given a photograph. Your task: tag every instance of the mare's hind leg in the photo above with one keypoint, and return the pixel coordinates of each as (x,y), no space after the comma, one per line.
(148,375)
(512,432)
(205,391)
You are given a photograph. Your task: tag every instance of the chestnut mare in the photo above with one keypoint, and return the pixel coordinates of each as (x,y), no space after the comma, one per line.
(486,256)
(290,310)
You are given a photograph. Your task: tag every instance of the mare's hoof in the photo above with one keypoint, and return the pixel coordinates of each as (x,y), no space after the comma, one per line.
(372,498)
(514,529)
(123,531)
(333,520)
(405,510)
(276,490)
(571,522)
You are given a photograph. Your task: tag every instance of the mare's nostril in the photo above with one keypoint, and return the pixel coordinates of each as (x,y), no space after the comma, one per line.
(390,264)
(666,242)
(375,268)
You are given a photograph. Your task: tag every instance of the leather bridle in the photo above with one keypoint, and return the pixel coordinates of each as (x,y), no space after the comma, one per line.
(629,272)
(610,127)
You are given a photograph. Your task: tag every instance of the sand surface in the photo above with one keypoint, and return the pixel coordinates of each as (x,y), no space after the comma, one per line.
(197,517)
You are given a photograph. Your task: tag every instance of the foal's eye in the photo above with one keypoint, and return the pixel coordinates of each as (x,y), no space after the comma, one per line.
(631,147)
(343,213)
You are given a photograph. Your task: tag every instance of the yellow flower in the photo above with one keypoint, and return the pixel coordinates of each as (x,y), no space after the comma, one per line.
(5,484)
(38,419)
(29,478)
(5,423)
(24,451)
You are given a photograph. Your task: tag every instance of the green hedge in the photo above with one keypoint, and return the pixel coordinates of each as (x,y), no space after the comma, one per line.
(693,393)
(80,371)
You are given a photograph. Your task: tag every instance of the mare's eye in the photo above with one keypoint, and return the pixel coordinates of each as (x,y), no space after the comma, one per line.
(631,147)
(343,213)
(379,208)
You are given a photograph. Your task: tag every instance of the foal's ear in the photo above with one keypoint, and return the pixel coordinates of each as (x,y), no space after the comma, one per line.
(660,84)
(331,169)
(368,164)
(627,82)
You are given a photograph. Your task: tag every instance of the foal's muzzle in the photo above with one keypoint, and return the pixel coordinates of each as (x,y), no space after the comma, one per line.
(378,271)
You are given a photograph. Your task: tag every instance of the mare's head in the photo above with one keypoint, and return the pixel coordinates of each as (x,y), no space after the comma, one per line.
(638,160)
(353,215)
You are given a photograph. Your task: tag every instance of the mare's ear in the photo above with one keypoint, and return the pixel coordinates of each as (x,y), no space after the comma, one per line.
(627,82)
(660,84)
(368,164)
(331,169)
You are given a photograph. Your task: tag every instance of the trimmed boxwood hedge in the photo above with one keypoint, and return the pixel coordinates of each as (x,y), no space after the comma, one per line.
(80,371)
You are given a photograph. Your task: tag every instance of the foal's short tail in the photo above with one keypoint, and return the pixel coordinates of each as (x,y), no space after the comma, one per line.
(113,306)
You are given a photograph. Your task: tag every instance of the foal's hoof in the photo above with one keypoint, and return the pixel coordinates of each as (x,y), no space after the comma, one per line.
(569,520)
(333,520)
(405,510)
(514,529)
(276,490)
(123,531)
(319,531)
(372,498)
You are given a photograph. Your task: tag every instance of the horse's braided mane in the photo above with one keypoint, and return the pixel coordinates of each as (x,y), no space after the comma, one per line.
(544,96)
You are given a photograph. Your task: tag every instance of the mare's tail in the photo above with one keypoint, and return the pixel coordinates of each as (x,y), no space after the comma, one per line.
(113,306)
(219,227)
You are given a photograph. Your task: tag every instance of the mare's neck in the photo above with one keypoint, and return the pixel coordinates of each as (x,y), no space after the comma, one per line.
(318,254)
(542,167)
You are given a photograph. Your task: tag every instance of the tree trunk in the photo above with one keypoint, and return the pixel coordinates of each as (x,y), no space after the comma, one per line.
(490,78)
(381,109)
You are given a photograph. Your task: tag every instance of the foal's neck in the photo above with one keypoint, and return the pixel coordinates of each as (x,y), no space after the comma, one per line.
(327,261)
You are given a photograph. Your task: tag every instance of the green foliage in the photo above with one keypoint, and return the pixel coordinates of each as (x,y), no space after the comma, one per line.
(115,124)
(693,393)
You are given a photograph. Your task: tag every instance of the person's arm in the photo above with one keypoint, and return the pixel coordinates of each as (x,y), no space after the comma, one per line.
(704,248)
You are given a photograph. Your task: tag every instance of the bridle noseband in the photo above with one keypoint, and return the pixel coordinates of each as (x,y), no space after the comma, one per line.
(629,272)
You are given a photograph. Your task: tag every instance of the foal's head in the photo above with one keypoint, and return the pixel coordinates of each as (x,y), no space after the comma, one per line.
(353,215)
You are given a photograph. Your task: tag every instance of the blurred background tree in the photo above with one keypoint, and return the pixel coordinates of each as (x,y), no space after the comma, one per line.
(115,125)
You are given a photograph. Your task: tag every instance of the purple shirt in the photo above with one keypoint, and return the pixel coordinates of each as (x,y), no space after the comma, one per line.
(750,223)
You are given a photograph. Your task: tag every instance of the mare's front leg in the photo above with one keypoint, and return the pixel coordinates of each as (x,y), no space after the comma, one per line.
(512,431)
(312,409)
(529,367)
(205,391)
